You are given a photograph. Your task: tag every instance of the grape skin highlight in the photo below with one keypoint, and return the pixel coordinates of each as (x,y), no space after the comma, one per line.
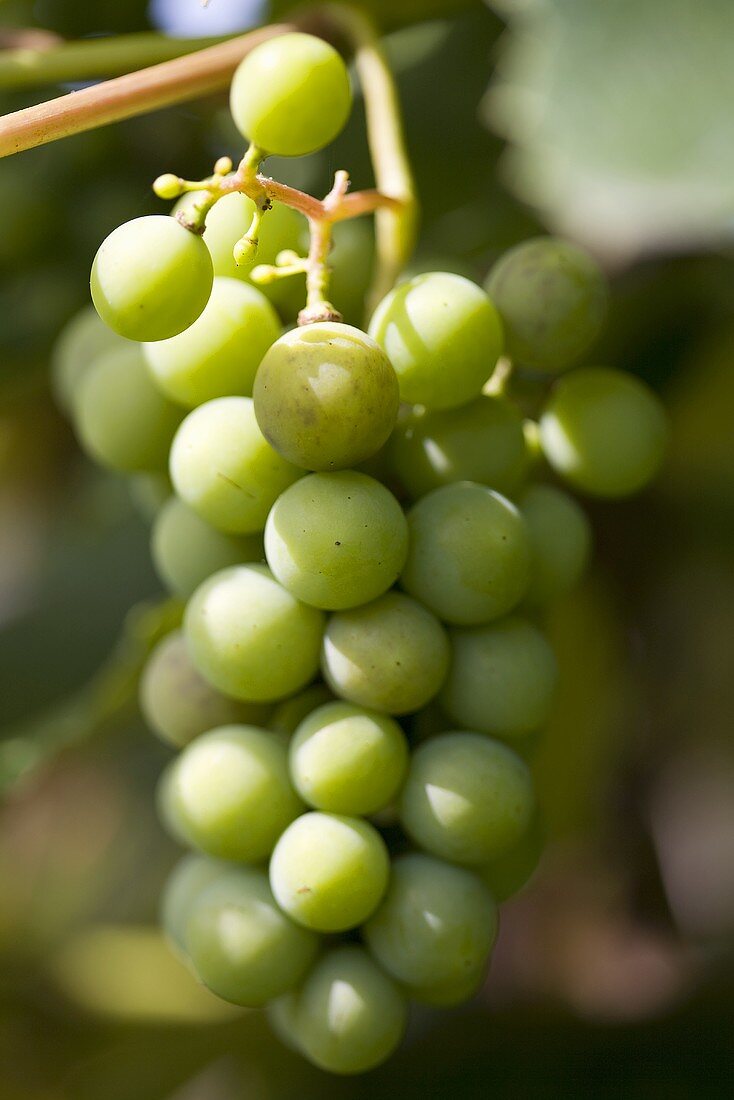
(390,655)
(328,872)
(151,278)
(291,95)
(223,467)
(443,336)
(249,637)
(336,540)
(467,799)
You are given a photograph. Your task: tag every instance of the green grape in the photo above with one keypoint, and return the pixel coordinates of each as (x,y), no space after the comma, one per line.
(241,945)
(436,925)
(326,396)
(605,432)
(251,638)
(450,994)
(442,335)
(186,549)
(466,798)
(390,655)
(122,419)
(349,1017)
(151,278)
(291,95)
(482,441)
(329,872)
(177,702)
(223,467)
(80,342)
(281,1015)
(289,714)
(352,261)
(348,760)
(148,493)
(336,540)
(469,556)
(188,879)
(219,354)
(552,297)
(231,794)
(560,542)
(502,678)
(508,873)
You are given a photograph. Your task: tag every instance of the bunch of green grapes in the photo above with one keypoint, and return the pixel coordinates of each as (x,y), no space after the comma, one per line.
(365,534)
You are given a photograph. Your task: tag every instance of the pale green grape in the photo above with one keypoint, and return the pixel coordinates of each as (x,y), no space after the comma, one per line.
(188,879)
(288,715)
(328,872)
(223,467)
(186,549)
(348,760)
(466,798)
(241,945)
(148,493)
(349,1016)
(151,278)
(219,354)
(390,655)
(442,335)
(450,994)
(336,540)
(231,794)
(552,297)
(80,342)
(502,678)
(291,95)
(122,419)
(482,441)
(605,432)
(560,542)
(177,702)
(326,396)
(351,260)
(251,638)
(508,873)
(469,556)
(436,925)
(281,1015)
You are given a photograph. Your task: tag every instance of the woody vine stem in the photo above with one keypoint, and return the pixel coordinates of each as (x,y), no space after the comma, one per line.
(204,71)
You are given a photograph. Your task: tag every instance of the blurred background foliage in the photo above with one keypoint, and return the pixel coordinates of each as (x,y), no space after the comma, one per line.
(609,121)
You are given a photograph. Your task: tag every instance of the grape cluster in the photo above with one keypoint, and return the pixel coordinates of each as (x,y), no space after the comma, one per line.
(365,533)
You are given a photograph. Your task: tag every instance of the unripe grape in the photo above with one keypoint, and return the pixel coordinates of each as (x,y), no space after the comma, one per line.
(507,874)
(552,297)
(188,879)
(467,799)
(349,1016)
(326,396)
(179,704)
(436,925)
(560,542)
(186,549)
(218,355)
(336,540)
(230,793)
(291,95)
(251,638)
(223,467)
(502,678)
(122,419)
(442,335)
(288,715)
(604,431)
(329,872)
(241,945)
(81,341)
(151,278)
(469,555)
(390,655)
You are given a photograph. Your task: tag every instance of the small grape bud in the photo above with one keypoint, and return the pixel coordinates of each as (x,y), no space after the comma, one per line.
(168,186)
(263,274)
(244,251)
(287,258)
(223,166)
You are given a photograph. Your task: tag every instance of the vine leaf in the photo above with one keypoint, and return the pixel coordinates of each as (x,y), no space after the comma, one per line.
(619,118)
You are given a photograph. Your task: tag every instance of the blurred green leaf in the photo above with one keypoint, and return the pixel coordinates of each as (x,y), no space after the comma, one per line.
(619,117)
